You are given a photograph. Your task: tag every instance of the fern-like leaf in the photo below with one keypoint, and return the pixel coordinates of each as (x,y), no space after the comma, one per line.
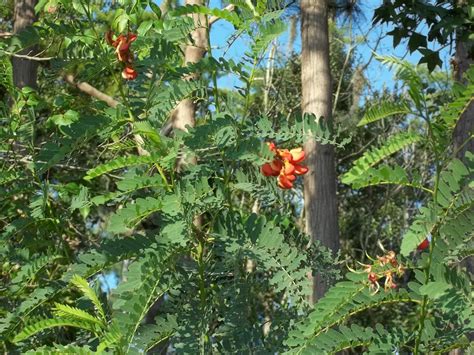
(41,325)
(90,294)
(375,155)
(67,312)
(383,110)
(120,163)
(341,302)
(455,198)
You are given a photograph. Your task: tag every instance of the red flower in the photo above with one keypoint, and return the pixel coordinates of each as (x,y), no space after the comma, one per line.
(373,277)
(285,165)
(124,54)
(129,73)
(423,245)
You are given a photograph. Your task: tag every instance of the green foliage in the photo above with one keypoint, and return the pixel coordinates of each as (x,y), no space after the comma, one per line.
(445,220)
(360,170)
(441,20)
(122,235)
(381,111)
(453,201)
(344,300)
(464,96)
(51,323)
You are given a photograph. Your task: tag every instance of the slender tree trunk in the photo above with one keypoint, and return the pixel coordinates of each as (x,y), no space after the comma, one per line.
(185,112)
(24,70)
(465,126)
(320,182)
(462,142)
(462,132)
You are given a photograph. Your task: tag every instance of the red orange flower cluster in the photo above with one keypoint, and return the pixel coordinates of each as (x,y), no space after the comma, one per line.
(124,54)
(285,165)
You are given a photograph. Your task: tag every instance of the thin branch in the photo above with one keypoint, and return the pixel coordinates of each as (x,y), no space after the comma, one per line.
(92,91)
(29,57)
(212,19)
(6,34)
(109,100)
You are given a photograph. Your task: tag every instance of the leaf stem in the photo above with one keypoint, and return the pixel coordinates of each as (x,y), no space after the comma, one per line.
(424,305)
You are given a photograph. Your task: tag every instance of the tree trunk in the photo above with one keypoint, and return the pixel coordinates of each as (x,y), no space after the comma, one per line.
(24,70)
(465,126)
(320,182)
(185,112)
(462,132)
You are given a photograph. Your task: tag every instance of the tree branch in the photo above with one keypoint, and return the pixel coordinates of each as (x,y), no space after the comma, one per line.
(92,91)
(212,19)
(109,100)
(29,57)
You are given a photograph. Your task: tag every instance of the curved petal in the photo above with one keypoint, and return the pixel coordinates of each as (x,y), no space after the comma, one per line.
(297,155)
(267,170)
(284,182)
(423,245)
(109,38)
(284,154)
(300,169)
(276,165)
(129,73)
(288,168)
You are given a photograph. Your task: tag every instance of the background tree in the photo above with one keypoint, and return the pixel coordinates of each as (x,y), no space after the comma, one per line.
(320,184)
(24,69)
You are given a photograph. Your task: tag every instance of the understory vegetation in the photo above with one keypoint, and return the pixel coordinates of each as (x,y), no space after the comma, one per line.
(148,206)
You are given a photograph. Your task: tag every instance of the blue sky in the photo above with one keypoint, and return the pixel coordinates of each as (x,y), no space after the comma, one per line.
(378,75)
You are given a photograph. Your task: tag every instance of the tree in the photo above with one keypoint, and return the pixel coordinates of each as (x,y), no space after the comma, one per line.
(185,112)
(320,184)
(463,59)
(24,70)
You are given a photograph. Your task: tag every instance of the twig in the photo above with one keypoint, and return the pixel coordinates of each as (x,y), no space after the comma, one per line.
(25,56)
(213,19)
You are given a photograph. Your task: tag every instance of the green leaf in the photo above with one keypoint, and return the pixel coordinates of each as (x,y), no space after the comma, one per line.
(65,119)
(375,155)
(73,313)
(120,163)
(416,41)
(120,20)
(155,8)
(37,327)
(434,289)
(383,110)
(89,293)
(133,213)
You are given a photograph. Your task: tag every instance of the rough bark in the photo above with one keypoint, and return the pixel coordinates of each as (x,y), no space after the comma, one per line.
(24,70)
(465,126)
(185,112)
(320,182)
(462,132)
